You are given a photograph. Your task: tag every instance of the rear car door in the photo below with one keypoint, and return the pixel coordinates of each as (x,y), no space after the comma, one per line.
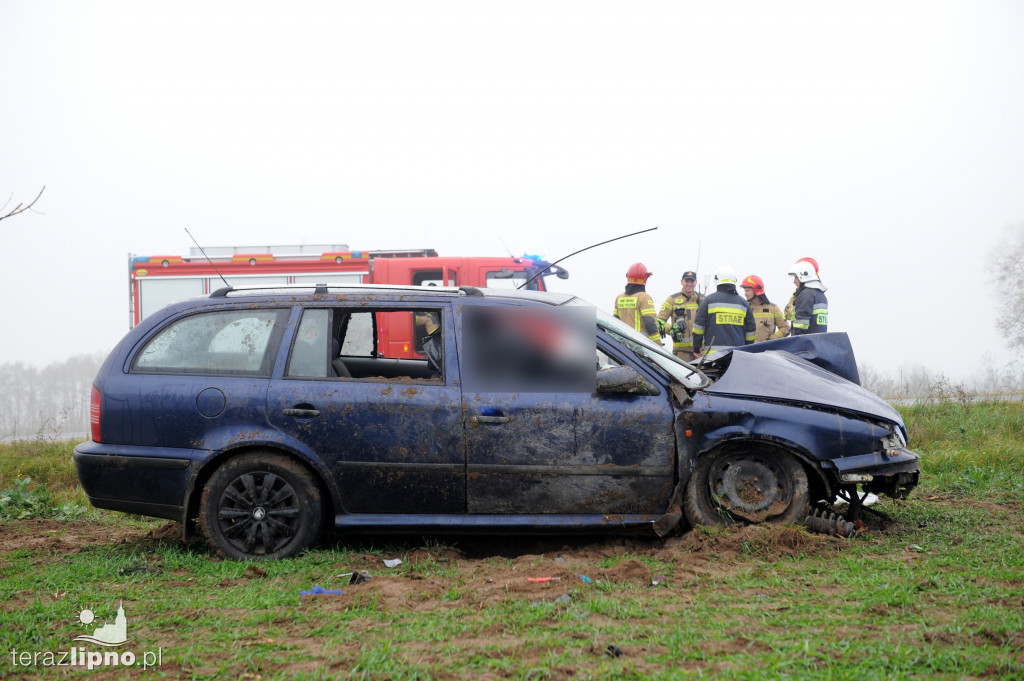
(195,378)
(389,428)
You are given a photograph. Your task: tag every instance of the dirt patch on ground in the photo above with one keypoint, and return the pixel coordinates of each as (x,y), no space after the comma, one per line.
(485,571)
(467,577)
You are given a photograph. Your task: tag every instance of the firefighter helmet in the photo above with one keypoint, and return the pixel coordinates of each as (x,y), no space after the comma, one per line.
(637,273)
(813,262)
(755,282)
(725,275)
(804,271)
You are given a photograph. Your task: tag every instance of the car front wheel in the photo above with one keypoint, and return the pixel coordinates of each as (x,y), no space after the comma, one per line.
(747,485)
(261,505)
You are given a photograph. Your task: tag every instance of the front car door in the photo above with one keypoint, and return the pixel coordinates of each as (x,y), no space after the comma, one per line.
(557,447)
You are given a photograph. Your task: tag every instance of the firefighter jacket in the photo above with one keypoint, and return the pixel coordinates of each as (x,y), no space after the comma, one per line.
(724,320)
(635,307)
(810,311)
(771,322)
(681,309)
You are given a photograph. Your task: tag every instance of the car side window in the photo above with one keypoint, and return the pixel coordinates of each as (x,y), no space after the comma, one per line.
(605,361)
(382,344)
(226,342)
(309,356)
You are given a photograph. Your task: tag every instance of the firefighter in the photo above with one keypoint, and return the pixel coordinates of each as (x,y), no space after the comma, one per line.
(724,319)
(789,305)
(681,308)
(771,322)
(810,306)
(635,306)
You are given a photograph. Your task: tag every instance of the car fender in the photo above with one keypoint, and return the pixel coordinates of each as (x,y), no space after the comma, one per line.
(733,421)
(228,442)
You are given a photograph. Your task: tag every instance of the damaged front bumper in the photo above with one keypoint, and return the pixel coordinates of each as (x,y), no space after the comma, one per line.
(893,472)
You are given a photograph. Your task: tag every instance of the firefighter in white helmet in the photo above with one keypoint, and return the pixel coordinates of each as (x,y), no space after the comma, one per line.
(681,308)
(724,319)
(635,306)
(788,311)
(771,322)
(810,306)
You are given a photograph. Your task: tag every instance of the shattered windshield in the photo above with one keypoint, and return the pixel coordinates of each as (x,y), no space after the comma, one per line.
(647,350)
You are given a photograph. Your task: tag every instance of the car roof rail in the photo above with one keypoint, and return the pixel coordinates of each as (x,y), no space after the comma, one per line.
(323,289)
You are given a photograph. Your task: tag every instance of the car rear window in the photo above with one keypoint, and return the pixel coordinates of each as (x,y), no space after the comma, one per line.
(236,342)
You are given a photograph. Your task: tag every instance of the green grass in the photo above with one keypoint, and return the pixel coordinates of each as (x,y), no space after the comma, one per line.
(937,594)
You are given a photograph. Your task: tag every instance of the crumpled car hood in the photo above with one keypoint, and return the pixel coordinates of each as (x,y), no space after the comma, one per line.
(781,376)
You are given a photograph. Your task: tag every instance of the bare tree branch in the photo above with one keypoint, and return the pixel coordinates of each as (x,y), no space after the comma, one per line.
(21,208)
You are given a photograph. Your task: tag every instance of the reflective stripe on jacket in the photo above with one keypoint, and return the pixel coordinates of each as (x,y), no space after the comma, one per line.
(770,321)
(810,311)
(681,308)
(723,319)
(637,310)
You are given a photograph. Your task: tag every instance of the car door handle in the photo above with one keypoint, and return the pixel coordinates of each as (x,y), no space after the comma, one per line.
(489,419)
(305,413)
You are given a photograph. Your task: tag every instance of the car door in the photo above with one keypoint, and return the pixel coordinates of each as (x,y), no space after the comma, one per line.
(545,447)
(394,442)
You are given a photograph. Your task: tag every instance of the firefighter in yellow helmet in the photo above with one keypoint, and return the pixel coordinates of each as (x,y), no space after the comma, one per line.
(681,308)
(635,306)
(770,321)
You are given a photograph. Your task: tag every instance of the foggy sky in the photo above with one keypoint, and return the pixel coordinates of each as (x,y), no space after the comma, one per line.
(884,139)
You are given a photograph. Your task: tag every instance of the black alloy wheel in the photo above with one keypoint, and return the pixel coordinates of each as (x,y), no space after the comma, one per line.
(261,505)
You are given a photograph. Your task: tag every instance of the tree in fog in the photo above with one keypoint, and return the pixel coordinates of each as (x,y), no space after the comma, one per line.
(47,402)
(1009,260)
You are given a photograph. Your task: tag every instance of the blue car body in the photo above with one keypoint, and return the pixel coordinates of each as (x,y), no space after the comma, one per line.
(394,448)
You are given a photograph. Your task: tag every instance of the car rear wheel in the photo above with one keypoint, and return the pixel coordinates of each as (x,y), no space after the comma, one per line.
(747,485)
(261,505)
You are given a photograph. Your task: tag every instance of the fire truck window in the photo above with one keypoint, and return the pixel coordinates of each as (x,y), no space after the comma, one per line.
(229,342)
(309,352)
(506,278)
(433,278)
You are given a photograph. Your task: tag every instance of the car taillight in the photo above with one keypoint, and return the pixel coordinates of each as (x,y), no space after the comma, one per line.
(94,413)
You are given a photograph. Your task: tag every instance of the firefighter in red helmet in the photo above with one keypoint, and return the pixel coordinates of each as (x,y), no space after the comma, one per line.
(635,306)
(771,322)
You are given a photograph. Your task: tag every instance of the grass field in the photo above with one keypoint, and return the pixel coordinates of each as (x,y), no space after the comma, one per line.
(936,594)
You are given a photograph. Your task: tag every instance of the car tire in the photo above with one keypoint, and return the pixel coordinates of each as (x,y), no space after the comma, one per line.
(747,485)
(261,505)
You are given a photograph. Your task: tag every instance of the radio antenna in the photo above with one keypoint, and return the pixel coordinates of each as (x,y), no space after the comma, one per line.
(506,246)
(208,258)
(651,229)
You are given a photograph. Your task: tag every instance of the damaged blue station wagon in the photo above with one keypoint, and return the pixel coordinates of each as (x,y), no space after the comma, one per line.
(265,417)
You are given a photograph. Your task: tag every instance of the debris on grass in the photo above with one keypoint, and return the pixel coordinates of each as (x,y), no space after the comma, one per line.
(320,591)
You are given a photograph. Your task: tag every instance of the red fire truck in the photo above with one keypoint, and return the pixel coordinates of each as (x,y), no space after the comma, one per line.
(157,280)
